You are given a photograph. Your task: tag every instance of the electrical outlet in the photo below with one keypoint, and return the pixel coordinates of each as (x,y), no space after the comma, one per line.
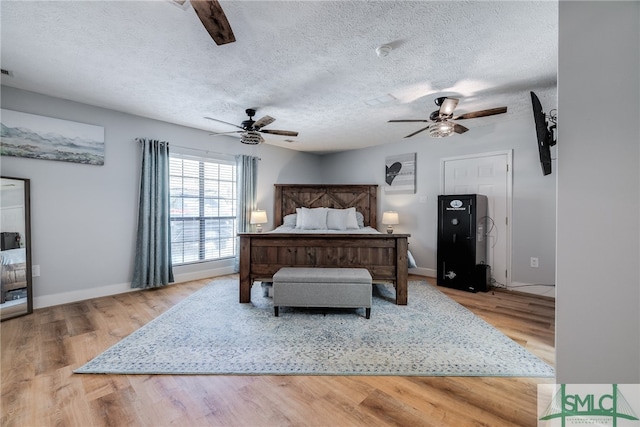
(534,262)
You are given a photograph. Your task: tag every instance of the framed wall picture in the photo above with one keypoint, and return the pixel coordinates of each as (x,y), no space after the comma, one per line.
(39,137)
(400,174)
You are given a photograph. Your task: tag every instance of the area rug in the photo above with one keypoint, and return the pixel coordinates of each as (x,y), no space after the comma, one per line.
(211,333)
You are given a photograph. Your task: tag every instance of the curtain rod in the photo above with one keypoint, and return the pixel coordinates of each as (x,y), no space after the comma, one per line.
(198,149)
(205,151)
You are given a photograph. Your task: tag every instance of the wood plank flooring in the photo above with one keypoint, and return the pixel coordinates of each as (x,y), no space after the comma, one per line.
(40,351)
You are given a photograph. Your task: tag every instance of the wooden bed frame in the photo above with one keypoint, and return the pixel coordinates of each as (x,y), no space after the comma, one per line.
(384,255)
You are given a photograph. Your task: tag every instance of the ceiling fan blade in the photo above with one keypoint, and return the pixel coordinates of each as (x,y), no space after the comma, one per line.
(418,131)
(447,106)
(263,122)
(222,121)
(214,20)
(481,113)
(279,132)
(407,121)
(459,128)
(225,133)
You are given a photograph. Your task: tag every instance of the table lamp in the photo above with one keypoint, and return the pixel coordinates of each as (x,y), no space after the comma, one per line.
(389,219)
(258,217)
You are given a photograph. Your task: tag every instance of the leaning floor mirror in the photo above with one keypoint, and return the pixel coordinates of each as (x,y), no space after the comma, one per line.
(15,254)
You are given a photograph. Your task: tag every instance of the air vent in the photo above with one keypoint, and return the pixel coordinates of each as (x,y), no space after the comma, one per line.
(7,72)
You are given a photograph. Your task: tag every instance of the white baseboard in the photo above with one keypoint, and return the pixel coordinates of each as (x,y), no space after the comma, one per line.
(547,291)
(420,271)
(204,274)
(119,288)
(82,294)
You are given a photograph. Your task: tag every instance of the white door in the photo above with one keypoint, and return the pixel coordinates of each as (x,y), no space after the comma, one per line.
(488,174)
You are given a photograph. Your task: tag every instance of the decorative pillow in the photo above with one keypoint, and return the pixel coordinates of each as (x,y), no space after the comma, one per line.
(311,219)
(290,220)
(360,219)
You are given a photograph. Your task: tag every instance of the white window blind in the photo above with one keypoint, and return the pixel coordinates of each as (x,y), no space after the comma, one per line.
(203,209)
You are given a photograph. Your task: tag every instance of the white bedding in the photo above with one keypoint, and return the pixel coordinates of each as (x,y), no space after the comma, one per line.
(13,256)
(293,230)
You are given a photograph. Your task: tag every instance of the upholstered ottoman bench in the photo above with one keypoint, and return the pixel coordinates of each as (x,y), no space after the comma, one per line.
(322,287)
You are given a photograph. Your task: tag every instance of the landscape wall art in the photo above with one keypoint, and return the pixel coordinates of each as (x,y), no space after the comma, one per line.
(39,137)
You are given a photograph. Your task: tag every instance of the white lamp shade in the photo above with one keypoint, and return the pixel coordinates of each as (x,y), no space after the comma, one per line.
(258,217)
(390,218)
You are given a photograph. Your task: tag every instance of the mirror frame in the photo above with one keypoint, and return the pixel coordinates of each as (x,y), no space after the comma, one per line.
(27,246)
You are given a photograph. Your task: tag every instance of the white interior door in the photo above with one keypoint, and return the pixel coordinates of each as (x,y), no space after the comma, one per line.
(488,174)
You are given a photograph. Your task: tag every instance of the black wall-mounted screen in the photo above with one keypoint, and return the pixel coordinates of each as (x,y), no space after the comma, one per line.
(543,134)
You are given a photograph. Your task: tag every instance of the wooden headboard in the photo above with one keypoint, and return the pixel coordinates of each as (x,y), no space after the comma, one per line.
(291,196)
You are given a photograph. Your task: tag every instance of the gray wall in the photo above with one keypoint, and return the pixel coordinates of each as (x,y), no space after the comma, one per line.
(534,195)
(84,217)
(598,295)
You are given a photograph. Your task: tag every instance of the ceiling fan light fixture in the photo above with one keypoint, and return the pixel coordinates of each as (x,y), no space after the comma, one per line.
(441,127)
(251,137)
(441,130)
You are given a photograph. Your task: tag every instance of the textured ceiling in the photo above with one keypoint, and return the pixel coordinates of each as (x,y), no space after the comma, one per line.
(310,64)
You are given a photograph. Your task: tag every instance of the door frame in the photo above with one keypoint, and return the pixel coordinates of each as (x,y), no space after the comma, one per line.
(509,178)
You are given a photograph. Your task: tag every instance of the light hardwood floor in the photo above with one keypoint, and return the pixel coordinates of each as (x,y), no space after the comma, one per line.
(40,351)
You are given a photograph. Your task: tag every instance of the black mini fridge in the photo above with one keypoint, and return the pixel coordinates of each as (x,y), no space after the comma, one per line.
(462,242)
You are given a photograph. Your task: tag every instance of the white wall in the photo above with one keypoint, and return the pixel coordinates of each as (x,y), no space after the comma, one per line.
(598,294)
(533,221)
(84,217)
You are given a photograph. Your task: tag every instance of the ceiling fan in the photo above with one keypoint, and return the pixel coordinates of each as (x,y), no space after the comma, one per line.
(213,18)
(439,124)
(251,130)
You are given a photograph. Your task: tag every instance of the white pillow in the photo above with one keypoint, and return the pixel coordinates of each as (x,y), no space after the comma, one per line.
(290,220)
(311,219)
(337,219)
(352,219)
(342,219)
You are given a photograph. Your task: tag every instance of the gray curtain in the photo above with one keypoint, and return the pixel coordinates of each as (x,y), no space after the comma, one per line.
(247,181)
(152,267)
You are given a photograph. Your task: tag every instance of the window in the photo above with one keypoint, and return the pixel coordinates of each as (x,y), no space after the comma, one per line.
(203,209)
